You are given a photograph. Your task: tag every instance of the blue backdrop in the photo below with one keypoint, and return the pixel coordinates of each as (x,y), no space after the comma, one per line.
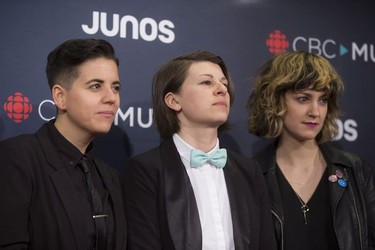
(146,34)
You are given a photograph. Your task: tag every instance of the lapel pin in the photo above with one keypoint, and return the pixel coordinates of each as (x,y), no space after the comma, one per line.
(339,173)
(342,183)
(332,178)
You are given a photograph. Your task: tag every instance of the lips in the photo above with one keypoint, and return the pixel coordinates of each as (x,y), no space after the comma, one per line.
(221,103)
(311,124)
(107,113)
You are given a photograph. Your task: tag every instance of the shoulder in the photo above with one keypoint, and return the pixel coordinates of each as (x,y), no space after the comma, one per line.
(146,157)
(238,157)
(144,165)
(19,144)
(341,157)
(361,169)
(266,157)
(246,165)
(154,156)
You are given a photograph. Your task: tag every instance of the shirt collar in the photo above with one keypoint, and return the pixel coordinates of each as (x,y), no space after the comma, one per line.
(184,148)
(65,147)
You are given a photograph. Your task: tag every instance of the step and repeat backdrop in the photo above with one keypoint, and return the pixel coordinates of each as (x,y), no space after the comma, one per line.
(146,34)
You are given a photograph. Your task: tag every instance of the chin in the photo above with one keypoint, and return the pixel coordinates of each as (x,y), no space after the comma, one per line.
(102,130)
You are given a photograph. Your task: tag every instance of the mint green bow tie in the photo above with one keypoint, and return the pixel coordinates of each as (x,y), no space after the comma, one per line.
(217,158)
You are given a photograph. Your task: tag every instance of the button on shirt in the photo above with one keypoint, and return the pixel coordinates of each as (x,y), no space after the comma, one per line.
(210,191)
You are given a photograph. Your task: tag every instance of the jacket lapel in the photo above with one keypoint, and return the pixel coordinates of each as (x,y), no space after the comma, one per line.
(334,163)
(267,160)
(238,204)
(64,187)
(182,211)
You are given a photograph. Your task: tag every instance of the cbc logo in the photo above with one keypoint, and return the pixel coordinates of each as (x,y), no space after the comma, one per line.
(278,42)
(18,107)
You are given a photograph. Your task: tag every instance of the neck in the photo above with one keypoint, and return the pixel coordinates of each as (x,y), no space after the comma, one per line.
(297,154)
(202,139)
(78,139)
(302,164)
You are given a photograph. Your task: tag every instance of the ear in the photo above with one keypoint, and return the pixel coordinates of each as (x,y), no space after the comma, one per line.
(58,95)
(172,101)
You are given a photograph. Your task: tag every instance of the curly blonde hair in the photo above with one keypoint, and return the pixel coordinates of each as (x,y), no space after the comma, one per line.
(294,71)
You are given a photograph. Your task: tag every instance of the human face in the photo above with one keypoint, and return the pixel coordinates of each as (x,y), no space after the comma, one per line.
(91,103)
(203,100)
(305,115)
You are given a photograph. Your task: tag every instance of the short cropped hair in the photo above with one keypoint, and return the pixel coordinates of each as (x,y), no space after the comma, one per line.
(295,71)
(170,78)
(63,62)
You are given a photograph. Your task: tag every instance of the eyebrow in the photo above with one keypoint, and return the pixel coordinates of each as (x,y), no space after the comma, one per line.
(323,94)
(223,79)
(100,81)
(94,80)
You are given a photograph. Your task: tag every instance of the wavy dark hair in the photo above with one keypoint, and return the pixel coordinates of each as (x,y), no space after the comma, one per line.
(294,71)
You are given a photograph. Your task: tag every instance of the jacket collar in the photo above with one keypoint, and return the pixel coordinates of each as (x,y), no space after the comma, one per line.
(332,155)
(64,185)
(239,203)
(335,158)
(266,158)
(182,211)
(65,189)
(181,204)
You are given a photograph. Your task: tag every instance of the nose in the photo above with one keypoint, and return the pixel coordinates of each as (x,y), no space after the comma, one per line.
(110,95)
(221,89)
(314,110)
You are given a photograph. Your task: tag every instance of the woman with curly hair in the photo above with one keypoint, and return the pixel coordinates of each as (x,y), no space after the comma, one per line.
(321,197)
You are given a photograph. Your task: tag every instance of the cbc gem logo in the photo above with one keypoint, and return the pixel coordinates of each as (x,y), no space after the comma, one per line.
(18,107)
(277,42)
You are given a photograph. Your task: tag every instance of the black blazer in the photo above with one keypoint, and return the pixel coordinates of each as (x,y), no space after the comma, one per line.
(161,208)
(39,207)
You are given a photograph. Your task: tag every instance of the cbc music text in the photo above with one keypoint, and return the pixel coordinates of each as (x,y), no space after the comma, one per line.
(142,117)
(134,116)
(147,28)
(329,47)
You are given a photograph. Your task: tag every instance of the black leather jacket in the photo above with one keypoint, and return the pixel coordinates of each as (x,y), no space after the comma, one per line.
(353,206)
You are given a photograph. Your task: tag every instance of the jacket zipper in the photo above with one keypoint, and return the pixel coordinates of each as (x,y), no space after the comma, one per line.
(281,227)
(356,211)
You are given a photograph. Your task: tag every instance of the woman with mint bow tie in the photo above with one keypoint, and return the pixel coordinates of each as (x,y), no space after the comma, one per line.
(187,193)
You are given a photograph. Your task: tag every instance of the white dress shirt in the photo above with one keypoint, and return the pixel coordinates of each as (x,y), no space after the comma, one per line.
(210,191)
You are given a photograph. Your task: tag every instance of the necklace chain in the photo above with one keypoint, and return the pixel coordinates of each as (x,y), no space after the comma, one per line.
(304,208)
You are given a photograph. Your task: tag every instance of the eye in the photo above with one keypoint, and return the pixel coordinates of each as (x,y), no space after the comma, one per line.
(302,99)
(206,82)
(116,87)
(95,86)
(324,100)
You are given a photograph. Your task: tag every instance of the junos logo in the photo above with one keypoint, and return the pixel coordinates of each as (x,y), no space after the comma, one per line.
(277,42)
(147,28)
(347,130)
